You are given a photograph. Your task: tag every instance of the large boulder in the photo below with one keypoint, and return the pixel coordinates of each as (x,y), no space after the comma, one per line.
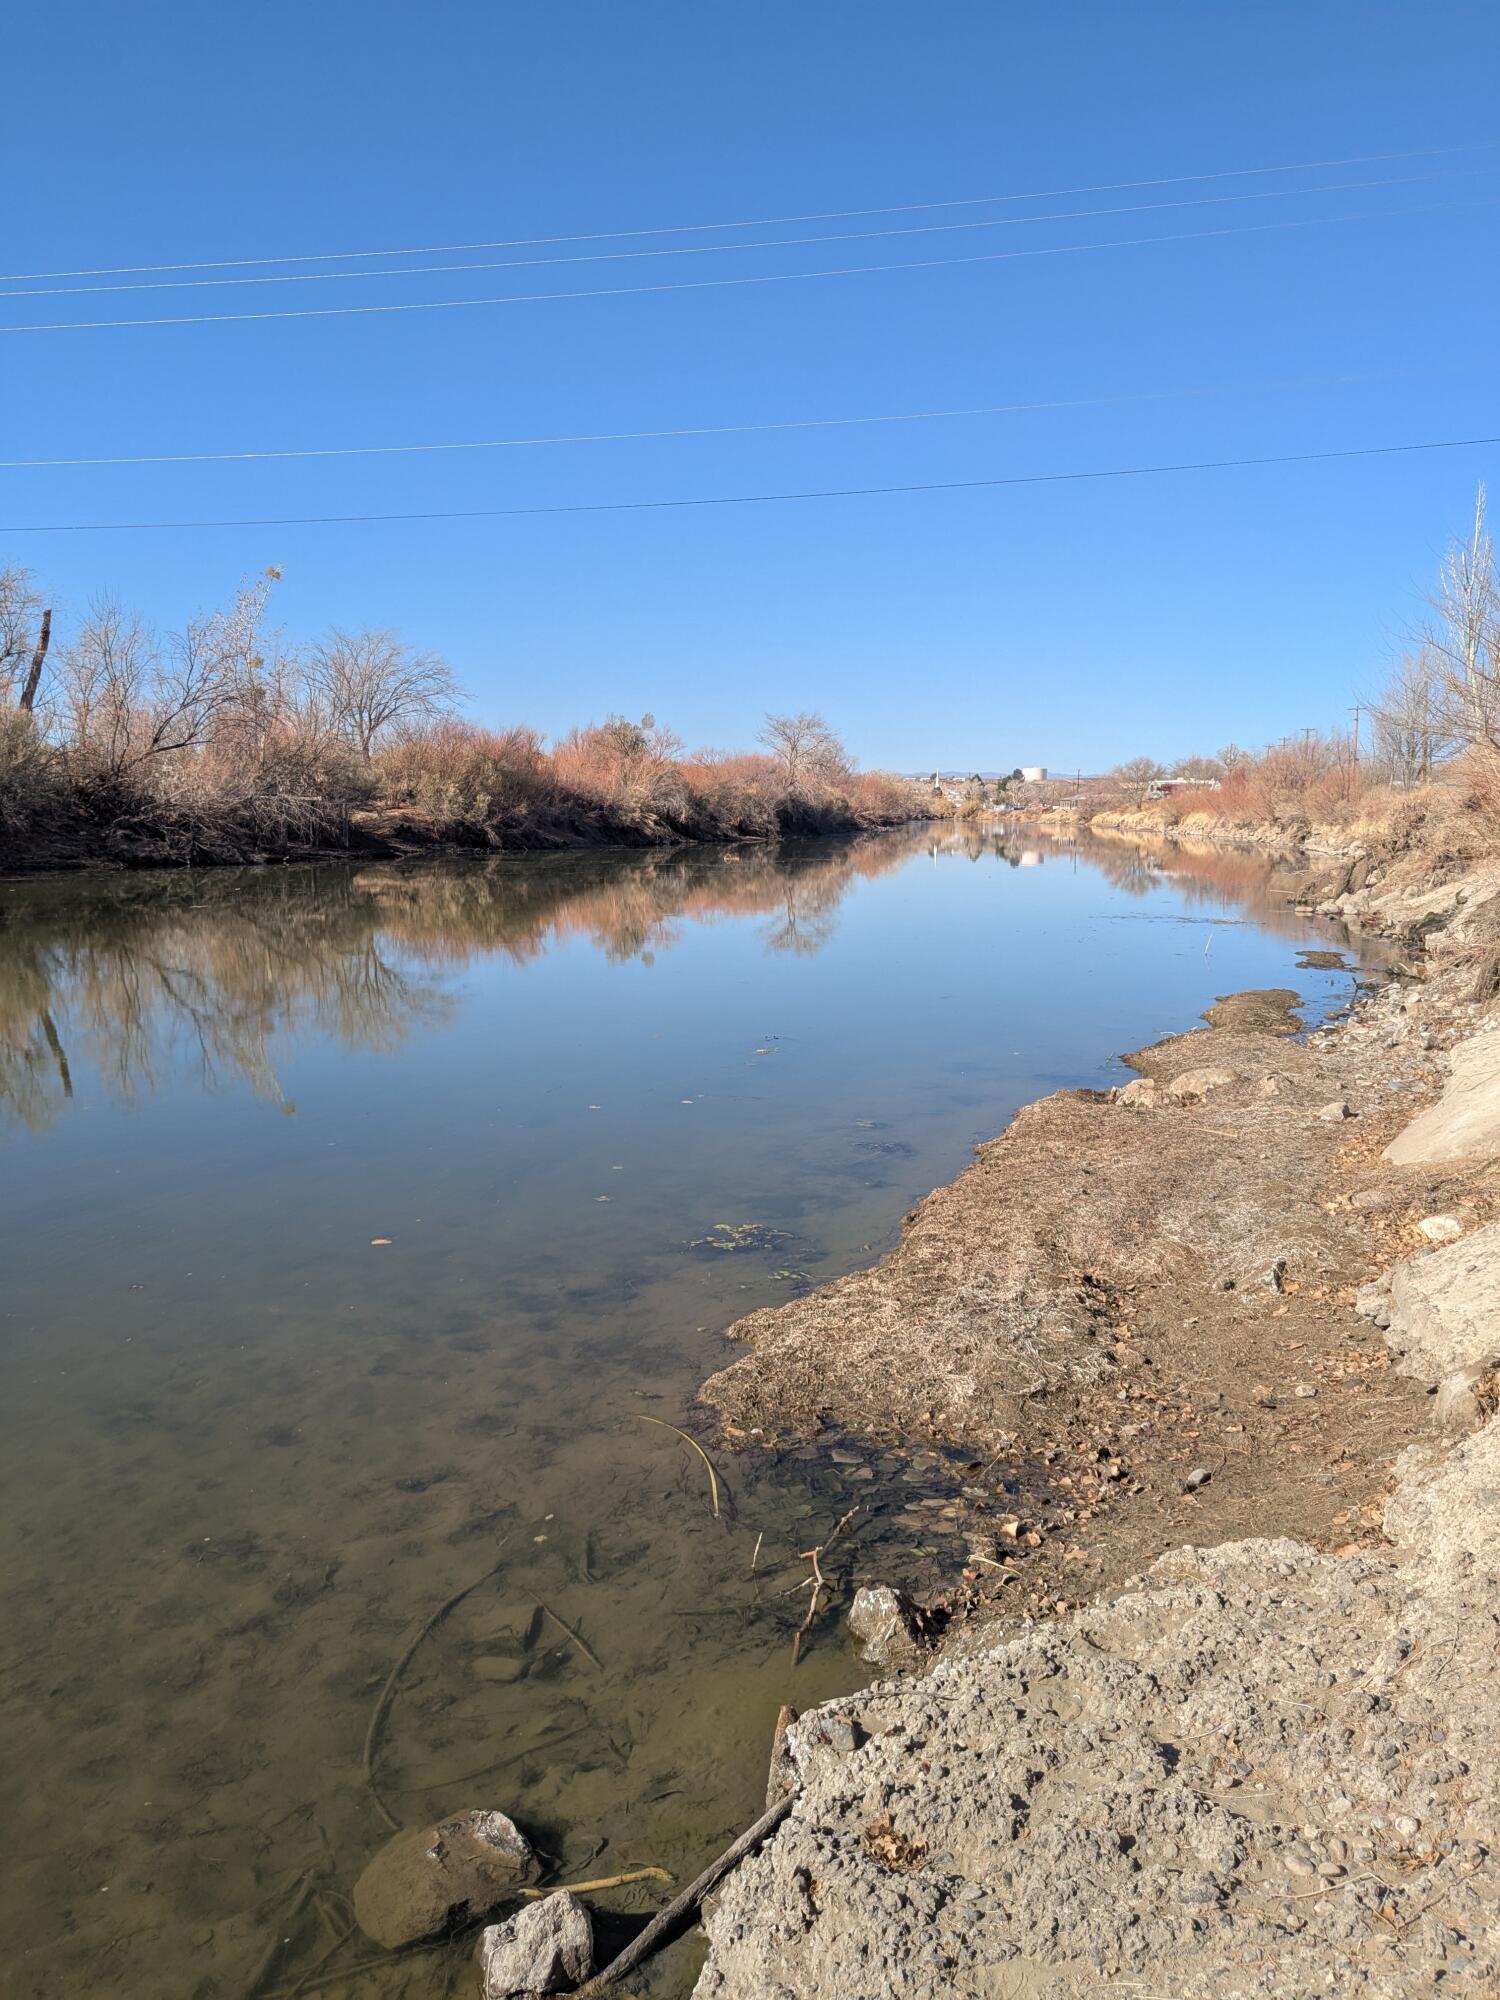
(547,1948)
(1442,1306)
(1464,1123)
(441,1877)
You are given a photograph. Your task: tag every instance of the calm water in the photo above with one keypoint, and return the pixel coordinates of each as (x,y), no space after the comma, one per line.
(351,1219)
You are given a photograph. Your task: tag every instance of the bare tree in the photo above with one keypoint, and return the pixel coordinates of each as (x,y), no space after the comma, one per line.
(1410,732)
(1465,633)
(371,680)
(808,752)
(107,676)
(25,628)
(129,700)
(1199,767)
(1137,775)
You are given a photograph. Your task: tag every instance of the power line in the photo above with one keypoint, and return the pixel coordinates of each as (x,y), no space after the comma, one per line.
(751,499)
(770,243)
(729,430)
(716,284)
(759,222)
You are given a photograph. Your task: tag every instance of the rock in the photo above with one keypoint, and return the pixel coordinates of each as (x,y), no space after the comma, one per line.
(546,1948)
(1373,1302)
(1193,1085)
(1466,1397)
(423,1883)
(839,1734)
(1199,1476)
(1441,1228)
(1465,1121)
(884,1621)
(1137,1096)
(501,1668)
(1375,1198)
(1442,1305)
(1274,1277)
(1332,1114)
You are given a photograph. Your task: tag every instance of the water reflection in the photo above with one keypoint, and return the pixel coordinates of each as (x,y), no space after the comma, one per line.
(134,976)
(202,975)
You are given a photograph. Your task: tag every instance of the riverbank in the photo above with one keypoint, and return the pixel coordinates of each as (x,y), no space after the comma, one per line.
(1207,1307)
(69,843)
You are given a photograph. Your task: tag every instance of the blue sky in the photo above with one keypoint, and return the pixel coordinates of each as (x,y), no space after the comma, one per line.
(1068,623)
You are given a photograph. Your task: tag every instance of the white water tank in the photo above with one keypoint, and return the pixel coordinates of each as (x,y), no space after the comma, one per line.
(1033,774)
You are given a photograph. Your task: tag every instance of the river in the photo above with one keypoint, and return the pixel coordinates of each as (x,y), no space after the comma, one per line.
(352,1221)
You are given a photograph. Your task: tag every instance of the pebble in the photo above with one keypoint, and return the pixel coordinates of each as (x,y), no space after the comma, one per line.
(1406,1826)
(1441,1228)
(1297,1862)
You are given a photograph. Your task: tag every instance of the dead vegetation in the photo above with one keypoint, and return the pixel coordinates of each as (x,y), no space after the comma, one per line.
(225,741)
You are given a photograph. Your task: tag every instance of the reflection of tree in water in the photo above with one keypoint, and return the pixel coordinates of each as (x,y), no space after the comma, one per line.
(134,977)
(1199,875)
(140,980)
(148,975)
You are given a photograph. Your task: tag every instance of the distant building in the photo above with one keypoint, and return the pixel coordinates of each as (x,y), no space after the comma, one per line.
(1163,788)
(1033,774)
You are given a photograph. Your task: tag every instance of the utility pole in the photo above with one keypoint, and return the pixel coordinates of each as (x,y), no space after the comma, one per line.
(1356,735)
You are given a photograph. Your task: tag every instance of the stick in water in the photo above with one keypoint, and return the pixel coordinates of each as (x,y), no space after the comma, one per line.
(388,1692)
(665,1925)
(577,1637)
(603,1882)
(713,1477)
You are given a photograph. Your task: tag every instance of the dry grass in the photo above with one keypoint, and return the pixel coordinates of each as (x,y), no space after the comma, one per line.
(293,786)
(1312,789)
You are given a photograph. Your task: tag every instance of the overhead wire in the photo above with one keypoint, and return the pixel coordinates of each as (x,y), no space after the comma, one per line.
(715,284)
(772,424)
(755,499)
(739,249)
(758,222)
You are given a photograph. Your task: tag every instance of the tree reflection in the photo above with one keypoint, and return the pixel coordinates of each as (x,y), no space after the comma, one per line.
(158,975)
(136,978)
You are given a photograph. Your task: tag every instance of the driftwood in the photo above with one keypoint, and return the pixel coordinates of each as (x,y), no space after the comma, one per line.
(665,1925)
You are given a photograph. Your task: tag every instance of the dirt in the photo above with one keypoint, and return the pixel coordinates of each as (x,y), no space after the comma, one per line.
(1117,1295)
(1160,1298)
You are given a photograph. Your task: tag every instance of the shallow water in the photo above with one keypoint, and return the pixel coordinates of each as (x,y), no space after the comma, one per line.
(352,1219)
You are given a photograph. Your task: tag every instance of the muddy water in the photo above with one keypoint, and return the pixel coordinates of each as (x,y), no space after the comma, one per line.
(353,1220)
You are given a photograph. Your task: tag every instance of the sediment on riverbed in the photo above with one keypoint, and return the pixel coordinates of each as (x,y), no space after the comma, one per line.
(1224,1722)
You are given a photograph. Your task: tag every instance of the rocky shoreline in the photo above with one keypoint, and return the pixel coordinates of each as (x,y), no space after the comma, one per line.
(1234,1314)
